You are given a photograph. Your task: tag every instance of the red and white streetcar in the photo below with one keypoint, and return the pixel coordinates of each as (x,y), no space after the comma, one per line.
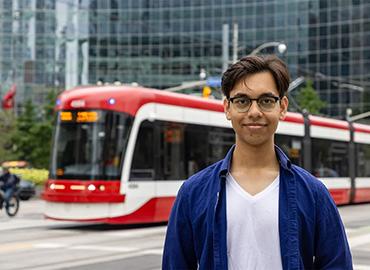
(120,153)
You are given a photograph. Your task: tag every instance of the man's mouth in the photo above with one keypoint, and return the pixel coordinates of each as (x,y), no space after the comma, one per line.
(255,124)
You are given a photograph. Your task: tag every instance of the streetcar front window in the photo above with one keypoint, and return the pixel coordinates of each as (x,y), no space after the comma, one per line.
(89,145)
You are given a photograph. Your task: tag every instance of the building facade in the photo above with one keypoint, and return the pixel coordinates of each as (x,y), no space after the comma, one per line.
(63,43)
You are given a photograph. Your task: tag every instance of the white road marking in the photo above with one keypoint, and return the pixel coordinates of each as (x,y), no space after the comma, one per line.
(361,267)
(157,251)
(137,232)
(48,245)
(360,240)
(88,261)
(103,248)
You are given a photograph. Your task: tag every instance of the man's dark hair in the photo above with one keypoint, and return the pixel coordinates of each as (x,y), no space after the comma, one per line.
(254,64)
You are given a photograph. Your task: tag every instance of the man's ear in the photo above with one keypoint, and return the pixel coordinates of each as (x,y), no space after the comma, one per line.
(227,108)
(284,102)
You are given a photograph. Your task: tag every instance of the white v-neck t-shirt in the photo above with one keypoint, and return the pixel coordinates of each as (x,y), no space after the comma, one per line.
(253,240)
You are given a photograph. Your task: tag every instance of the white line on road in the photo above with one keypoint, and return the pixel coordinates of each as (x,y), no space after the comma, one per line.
(80,262)
(359,240)
(138,232)
(87,247)
(48,245)
(30,223)
(102,248)
(361,267)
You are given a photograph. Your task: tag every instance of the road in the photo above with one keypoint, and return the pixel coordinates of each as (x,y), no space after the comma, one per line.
(30,242)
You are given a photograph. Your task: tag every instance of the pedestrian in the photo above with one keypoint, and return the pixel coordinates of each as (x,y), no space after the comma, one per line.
(255,209)
(8,184)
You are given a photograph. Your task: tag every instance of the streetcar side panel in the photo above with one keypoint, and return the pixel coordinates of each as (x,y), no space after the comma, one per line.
(330,149)
(362,147)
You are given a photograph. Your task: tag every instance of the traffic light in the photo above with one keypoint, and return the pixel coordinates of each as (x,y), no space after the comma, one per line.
(207,91)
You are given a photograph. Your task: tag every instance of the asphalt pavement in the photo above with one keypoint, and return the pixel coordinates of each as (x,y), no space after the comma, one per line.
(28,241)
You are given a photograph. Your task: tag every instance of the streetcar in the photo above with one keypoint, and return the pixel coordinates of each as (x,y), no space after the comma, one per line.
(121,153)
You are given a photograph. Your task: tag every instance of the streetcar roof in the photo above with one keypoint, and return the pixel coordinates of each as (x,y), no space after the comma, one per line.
(129,99)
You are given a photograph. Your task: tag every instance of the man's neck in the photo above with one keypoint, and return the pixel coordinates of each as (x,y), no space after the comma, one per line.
(254,167)
(248,157)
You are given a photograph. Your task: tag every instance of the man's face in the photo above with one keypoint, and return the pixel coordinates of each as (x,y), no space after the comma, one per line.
(255,126)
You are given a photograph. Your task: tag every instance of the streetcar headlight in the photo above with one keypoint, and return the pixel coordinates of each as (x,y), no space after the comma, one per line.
(56,186)
(91,187)
(111,101)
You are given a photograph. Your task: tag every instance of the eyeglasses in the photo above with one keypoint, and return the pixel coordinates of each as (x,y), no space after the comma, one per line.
(243,103)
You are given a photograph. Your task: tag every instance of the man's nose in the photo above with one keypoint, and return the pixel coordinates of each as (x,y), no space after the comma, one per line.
(254,109)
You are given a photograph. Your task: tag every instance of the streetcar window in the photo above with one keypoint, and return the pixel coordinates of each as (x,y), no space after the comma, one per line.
(185,149)
(91,148)
(205,145)
(329,158)
(171,158)
(292,147)
(142,167)
(363,160)
(219,142)
(196,150)
(173,151)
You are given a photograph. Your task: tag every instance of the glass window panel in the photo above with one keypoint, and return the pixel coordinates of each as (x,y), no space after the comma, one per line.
(292,147)
(363,160)
(142,167)
(329,158)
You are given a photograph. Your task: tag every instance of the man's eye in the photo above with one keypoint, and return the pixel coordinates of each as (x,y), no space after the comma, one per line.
(267,100)
(242,101)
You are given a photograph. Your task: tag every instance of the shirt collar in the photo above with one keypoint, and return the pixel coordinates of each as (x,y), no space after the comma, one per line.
(226,162)
(282,158)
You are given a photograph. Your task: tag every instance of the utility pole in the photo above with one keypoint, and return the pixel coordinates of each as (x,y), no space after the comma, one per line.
(235,43)
(225,47)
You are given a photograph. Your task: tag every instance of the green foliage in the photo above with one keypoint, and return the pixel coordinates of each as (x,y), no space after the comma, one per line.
(7,127)
(37,176)
(309,99)
(32,137)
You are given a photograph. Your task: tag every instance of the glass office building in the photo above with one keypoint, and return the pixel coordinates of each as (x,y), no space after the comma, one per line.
(63,43)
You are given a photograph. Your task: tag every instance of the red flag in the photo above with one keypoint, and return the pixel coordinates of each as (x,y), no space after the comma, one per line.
(8,98)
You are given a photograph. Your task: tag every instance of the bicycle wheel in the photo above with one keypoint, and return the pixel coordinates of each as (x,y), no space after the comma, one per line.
(13,206)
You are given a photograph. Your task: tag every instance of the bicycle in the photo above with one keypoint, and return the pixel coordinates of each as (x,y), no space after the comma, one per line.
(13,206)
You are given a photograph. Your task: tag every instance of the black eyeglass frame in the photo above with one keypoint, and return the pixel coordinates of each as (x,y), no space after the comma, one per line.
(276,98)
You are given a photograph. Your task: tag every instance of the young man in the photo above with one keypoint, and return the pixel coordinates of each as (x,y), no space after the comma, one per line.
(254,209)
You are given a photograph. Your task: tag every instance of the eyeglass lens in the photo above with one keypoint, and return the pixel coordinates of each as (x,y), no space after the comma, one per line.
(265,103)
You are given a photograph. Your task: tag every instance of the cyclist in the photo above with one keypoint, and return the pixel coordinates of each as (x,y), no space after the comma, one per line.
(8,184)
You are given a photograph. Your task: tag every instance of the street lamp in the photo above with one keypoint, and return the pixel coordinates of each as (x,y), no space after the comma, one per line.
(292,86)
(356,117)
(202,74)
(297,82)
(342,83)
(280,46)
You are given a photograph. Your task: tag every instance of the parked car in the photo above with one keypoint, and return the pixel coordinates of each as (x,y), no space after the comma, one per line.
(26,190)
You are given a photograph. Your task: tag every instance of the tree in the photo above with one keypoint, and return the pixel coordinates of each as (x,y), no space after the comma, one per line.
(7,126)
(33,133)
(309,99)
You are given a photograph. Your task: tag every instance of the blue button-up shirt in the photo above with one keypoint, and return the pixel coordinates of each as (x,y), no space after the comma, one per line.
(311,232)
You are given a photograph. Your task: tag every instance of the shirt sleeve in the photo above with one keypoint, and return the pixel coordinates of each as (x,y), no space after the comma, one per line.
(331,246)
(179,246)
